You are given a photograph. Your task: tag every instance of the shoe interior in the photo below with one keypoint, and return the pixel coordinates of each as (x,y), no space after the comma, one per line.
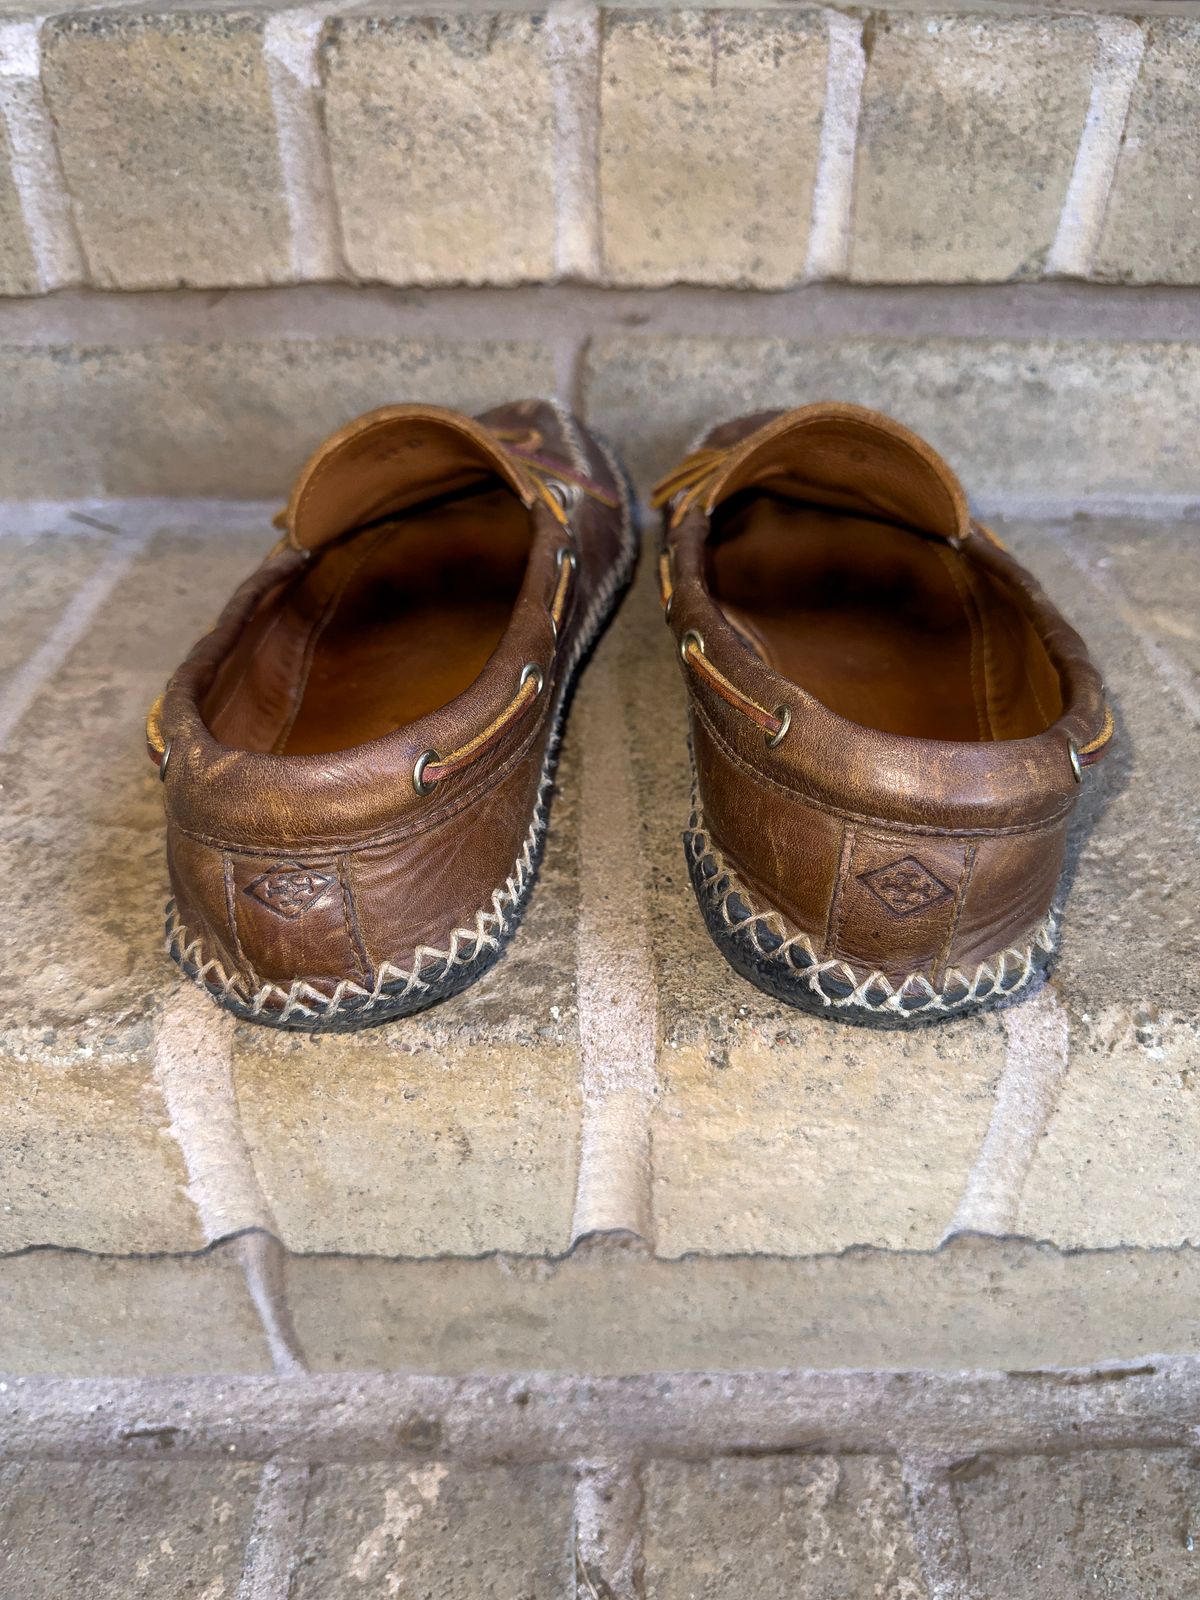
(384,625)
(887,627)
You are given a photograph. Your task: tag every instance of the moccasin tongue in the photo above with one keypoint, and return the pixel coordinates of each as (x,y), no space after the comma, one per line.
(388,460)
(847,457)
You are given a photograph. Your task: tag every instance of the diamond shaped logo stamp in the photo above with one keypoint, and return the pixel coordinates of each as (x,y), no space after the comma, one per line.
(289,891)
(905,886)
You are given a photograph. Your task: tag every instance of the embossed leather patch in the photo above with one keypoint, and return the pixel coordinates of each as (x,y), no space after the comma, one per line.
(289,891)
(905,886)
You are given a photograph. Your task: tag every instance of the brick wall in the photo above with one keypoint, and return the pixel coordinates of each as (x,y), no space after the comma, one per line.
(762,147)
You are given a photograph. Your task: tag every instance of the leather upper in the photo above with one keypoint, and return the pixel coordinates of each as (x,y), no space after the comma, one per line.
(823,570)
(428,600)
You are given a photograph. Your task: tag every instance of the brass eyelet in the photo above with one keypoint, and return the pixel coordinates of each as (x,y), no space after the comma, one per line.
(1076,765)
(568,495)
(532,670)
(563,555)
(690,637)
(162,765)
(419,765)
(785,722)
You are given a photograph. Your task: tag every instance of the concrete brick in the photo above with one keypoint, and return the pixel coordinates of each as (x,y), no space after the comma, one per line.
(1117,1161)
(1152,225)
(124,1531)
(768,1144)
(966,145)
(1130,939)
(71,1315)
(1013,416)
(88,1156)
(441,137)
(393,1144)
(168,143)
(235,420)
(437,1531)
(710,123)
(1092,1525)
(974,1304)
(828,1527)
(91,1161)
(18,269)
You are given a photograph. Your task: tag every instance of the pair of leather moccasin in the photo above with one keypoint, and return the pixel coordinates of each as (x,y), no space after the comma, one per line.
(889,719)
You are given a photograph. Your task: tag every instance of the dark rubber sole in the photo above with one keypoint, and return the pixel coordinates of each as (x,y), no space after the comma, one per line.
(352,1013)
(781,968)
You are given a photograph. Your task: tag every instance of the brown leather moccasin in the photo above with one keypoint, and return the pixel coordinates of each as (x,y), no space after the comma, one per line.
(889,719)
(356,760)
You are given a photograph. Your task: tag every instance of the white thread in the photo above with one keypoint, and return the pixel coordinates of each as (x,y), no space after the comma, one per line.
(1120,44)
(291,42)
(1007,972)
(833,190)
(574,35)
(1035,1063)
(36,171)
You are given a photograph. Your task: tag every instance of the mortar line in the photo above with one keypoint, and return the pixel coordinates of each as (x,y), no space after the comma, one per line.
(617,993)
(36,168)
(936,1528)
(574,32)
(264,1266)
(1120,44)
(275,1533)
(526,1417)
(291,50)
(1174,677)
(193,1065)
(607,1523)
(1036,1055)
(831,225)
(24,685)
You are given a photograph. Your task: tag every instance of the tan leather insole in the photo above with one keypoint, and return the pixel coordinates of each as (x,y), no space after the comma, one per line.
(383,627)
(884,626)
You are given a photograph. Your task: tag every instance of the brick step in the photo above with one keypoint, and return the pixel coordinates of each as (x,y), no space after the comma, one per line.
(1027,420)
(198,145)
(1013,1190)
(1025,1527)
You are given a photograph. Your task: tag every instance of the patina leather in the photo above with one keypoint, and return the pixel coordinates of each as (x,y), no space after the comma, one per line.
(888,716)
(406,612)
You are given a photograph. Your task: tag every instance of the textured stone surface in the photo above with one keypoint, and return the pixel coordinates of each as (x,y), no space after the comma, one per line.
(72,1315)
(828,1528)
(235,420)
(88,1154)
(1152,225)
(168,143)
(973,1304)
(1062,417)
(18,270)
(710,122)
(119,1531)
(1130,938)
(966,143)
(769,1143)
(441,131)
(435,1531)
(397,1145)
(1085,1527)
